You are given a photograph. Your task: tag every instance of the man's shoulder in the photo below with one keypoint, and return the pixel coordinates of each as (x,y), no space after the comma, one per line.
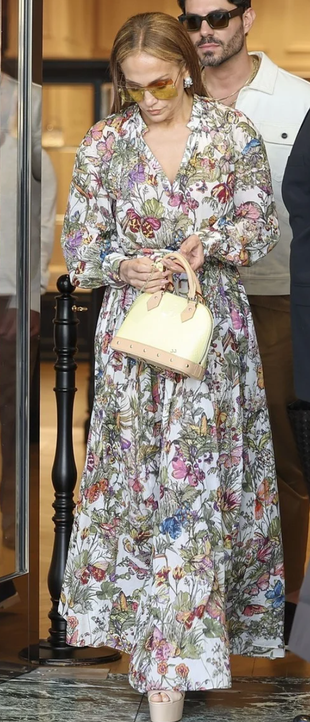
(294,81)
(283,79)
(275,97)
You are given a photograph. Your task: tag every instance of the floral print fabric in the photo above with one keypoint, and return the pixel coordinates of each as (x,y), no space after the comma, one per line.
(175,554)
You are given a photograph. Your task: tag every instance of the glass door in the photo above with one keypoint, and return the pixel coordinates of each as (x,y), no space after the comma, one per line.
(20,279)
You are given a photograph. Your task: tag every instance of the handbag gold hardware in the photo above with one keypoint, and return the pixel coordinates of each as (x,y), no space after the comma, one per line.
(169,331)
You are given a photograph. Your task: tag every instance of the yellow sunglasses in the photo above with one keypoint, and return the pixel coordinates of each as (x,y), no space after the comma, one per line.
(160,89)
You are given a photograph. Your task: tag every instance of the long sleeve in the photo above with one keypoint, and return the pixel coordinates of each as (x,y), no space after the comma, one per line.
(247,235)
(89,238)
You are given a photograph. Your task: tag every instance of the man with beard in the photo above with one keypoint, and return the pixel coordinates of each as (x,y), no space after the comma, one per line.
(277,103)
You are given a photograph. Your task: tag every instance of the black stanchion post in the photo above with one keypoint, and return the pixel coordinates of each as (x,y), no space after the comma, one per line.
(64,473)
(54,650)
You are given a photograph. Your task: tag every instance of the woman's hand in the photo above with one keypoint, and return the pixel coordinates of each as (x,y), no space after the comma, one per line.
(192,250)
(140,272)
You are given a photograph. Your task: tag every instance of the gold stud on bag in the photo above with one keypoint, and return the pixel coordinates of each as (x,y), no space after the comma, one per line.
(169,331)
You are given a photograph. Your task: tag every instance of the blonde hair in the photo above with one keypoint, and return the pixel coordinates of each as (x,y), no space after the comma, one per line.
(156,34)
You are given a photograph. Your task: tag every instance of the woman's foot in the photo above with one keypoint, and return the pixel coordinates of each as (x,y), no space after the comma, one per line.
(166,705)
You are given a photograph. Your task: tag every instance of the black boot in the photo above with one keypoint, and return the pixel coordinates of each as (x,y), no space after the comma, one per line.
(289,614)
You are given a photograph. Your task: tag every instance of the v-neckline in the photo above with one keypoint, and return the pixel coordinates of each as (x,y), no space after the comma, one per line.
(159,165)
(154,158)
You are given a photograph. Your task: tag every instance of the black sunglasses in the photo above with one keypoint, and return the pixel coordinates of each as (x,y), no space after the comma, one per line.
(217,20)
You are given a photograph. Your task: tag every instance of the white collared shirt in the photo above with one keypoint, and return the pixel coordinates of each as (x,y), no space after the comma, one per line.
(277,102)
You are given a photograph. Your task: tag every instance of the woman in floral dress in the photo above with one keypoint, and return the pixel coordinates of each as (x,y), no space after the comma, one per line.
(175,555)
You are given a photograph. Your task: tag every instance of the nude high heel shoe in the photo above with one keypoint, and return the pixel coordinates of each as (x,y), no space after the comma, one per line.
(170,710)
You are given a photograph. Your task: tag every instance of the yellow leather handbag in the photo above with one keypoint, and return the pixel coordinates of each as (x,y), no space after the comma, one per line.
(169,331)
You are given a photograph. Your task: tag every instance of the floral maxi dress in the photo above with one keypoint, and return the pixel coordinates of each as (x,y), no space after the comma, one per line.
(175,555)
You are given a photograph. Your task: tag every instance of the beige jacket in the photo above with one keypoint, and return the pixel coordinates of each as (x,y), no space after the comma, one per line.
(277,103)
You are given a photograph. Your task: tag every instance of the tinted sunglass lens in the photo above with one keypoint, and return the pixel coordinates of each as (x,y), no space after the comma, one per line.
(169,91)
(161,91)
(193,23)
(135,94)
(218,21)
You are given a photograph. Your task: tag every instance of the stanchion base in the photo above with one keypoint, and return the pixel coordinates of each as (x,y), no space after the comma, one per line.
(44,654)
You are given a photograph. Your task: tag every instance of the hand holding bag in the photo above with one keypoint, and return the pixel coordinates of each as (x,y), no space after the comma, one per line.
(169,331)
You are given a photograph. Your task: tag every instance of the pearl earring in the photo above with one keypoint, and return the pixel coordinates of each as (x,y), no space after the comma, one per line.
(188,82)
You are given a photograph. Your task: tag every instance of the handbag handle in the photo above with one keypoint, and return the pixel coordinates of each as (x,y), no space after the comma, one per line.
(193,282)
